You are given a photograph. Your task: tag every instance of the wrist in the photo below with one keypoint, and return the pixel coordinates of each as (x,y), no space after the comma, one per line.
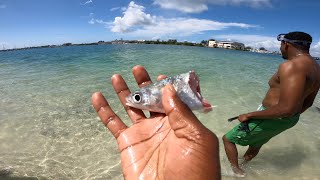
(249,115)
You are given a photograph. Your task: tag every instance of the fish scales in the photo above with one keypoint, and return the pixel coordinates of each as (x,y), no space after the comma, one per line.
(186,85)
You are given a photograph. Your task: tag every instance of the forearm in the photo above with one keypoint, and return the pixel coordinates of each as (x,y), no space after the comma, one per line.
(276,111)
(305,107)
(308,102)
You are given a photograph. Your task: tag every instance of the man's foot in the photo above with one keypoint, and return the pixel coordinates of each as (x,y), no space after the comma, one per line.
(238,172)
(244,163)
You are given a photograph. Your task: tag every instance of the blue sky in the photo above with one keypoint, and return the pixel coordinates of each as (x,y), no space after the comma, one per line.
(255,23)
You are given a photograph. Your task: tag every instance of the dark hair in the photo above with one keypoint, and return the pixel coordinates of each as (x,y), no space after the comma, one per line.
(302,36)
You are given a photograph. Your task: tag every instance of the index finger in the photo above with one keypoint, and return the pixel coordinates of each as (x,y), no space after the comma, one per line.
(106,114)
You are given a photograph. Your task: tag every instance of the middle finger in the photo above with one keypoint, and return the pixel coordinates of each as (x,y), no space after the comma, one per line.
(143,79)
(123,91)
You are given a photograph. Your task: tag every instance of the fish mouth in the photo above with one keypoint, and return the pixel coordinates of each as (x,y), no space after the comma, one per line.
(194,84)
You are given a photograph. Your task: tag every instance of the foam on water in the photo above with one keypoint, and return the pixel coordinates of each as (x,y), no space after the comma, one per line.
(48,128)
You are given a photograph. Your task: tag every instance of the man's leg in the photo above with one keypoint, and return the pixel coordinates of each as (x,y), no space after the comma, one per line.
(232,154)
(251,153)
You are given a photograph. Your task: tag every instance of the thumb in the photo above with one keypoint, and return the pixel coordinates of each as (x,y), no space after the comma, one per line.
(179,113)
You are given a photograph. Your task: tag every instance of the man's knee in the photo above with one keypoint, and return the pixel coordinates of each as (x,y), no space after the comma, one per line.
(224,138)
(254,150)
(251,153)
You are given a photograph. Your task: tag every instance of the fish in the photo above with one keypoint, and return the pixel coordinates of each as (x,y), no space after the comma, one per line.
(187,86)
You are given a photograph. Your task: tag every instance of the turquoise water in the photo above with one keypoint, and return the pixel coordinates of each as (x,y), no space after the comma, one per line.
(49,130)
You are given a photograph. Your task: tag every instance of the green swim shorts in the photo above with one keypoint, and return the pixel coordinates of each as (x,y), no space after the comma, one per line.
(261,130)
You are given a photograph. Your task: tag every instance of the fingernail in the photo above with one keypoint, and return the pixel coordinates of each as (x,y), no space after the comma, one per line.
(112,77)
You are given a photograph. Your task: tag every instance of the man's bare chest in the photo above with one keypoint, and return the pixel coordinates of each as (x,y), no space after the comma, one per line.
(274,81)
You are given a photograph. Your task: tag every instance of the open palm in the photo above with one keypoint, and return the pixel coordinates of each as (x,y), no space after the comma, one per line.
(174,145)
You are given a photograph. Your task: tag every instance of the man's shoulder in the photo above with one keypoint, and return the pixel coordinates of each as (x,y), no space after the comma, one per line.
(287,65)
(298,63)
(292,67)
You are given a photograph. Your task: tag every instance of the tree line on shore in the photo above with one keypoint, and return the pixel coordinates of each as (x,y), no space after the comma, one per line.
(203,43)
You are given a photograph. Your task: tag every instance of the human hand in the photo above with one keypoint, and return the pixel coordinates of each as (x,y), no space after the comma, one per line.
(174,145)
(243,117)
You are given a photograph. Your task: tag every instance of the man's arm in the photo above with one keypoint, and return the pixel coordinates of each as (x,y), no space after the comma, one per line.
(292,84)
(308,101)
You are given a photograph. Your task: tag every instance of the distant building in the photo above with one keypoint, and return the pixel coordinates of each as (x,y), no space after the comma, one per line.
(261,50)
(231,45)
(172,41)
(118,41)
(212,43)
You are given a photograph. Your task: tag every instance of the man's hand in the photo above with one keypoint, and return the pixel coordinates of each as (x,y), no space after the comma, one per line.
(174,145)
(243,117)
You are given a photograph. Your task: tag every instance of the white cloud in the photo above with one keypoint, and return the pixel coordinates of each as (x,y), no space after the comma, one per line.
(317,45)
(188,6)
(92,21)
(132,16)
(5,45)
(268,42)
(256,41)
(114,9)
(98,21)
(191,6)
(3,6)
(183,27)
(87,2)
(137,23)
(315,49)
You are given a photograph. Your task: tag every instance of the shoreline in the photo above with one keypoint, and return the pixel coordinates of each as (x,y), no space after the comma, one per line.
(137,42)
(121,42)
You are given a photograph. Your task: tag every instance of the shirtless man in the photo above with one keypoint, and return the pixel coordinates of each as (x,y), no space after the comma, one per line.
(293,89)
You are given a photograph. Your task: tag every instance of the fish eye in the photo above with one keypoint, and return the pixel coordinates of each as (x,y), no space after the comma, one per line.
(136,97)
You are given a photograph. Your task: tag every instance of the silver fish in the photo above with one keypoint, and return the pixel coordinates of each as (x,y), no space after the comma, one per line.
(187,86)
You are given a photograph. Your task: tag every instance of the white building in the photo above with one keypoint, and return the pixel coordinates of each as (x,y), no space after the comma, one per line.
(212,43)
(231,45)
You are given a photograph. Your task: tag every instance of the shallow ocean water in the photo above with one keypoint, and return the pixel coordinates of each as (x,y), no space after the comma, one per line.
(49,130)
